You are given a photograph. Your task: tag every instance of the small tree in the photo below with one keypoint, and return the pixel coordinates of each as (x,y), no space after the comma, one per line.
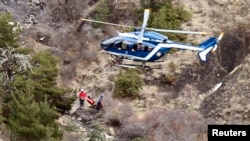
(170,17)
(44,76)
(28,119)
(12,63)
(166,16)
(102,13)
(127,84)
(28,108)
(9,31)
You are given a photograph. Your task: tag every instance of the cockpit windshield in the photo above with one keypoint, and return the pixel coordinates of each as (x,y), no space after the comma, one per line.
(112,40)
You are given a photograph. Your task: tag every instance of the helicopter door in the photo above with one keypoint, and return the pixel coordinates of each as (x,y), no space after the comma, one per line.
(120,47)
(140,50)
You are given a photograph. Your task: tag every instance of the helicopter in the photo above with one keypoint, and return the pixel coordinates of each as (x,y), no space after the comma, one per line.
(147,45)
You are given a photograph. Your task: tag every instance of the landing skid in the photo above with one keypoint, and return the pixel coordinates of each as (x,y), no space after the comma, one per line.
(132,66)
(118,61)
(138,66)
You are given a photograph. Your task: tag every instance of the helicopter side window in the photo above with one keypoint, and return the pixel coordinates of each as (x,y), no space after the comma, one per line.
(150,49)
(117,44)
(144,48)
(124,46)
(134,47)
(140,47)
(127,45)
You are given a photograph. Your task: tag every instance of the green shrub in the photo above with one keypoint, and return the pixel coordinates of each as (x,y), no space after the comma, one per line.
(138,139)
(127,84)
(44,76)
(102,13)
(28,119)
(9,31)
(165,15)
(169,79)
(172,66)
(96,134)
(30,98)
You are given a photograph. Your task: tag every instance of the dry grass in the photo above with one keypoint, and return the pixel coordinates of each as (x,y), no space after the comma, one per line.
(165,125)
(116,112)
(5,134)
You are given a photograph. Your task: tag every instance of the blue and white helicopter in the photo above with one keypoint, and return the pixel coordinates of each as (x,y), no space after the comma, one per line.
(145,45)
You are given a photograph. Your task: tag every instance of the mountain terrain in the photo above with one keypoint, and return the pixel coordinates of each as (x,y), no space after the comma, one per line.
(217,91)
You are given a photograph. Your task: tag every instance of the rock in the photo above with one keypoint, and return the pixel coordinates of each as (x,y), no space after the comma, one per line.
(82,129)
(64,120)
(37,2)
(108,137)
(221,2)
(111,131)
(75,106)
(140,104)
(79,119)
(61,121)
(5,2)
(237,117)
(35,21)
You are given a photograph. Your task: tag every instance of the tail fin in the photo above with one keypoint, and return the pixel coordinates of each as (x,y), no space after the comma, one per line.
(208,46)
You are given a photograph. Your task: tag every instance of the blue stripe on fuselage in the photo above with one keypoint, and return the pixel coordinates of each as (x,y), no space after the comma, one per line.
(163,51)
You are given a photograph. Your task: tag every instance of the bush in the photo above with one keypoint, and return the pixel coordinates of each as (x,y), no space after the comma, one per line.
(167,16)
(66,10)
(137,139)
(102,13)
(127,84)
(111,115)
(132,128)
(28,119)
(169,79)
(116,113)
(167,125)
(44,76)
(9,31)
(96,134)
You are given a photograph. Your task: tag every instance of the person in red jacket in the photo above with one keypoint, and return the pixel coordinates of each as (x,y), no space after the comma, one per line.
(82,95)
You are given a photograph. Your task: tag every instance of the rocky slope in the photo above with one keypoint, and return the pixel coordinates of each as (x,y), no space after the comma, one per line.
(217,90)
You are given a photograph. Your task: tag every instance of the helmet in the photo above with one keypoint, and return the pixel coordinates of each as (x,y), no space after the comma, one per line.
(102,95)
(82,89)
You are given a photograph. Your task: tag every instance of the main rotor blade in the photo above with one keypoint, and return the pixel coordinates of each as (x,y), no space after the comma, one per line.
(145,18)
(220,36)
(144,24)
(177,31)
(94,21)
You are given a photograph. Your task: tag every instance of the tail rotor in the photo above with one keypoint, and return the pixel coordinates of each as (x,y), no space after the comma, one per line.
(218,40)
